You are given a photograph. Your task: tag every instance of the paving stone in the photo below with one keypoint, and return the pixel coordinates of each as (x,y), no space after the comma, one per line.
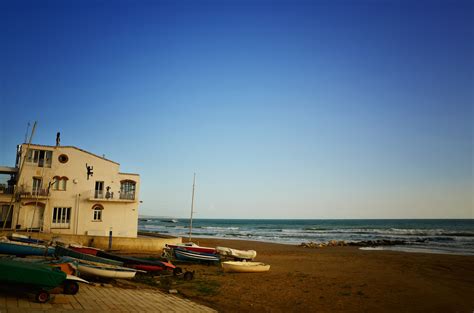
(95,299)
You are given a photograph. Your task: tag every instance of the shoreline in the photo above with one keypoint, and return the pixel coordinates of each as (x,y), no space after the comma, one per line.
(337,279)
(404,248)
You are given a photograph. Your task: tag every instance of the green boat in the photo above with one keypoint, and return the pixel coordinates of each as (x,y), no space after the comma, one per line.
(38,278)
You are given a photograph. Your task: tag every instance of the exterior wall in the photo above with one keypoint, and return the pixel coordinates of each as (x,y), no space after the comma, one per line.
(118,215)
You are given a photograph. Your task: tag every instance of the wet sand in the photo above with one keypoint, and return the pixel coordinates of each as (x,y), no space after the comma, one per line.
(338,279)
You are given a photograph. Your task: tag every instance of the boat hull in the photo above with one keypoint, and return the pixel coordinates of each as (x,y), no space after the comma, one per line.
(61,251)
(193,248)
(129,261)
(22,249)
(105,271)
(190,256)
(37,275)
(244,267)
(85,250)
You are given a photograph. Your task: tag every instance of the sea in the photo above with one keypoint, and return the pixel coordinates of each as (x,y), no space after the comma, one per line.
(448,236)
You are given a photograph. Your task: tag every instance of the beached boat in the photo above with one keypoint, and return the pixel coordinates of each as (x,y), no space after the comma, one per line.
(37,278)
(138,263)
(237,254)
(22,249)
(27,239)
(62,251)
(84,249)
(106,271)
(244,267)
(191,256)
(191,246)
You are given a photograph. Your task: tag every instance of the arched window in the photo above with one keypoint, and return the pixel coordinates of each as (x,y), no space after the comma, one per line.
(60,183)
(97,213)
(127,189)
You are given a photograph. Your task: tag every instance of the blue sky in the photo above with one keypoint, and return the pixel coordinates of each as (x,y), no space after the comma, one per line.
(285,109)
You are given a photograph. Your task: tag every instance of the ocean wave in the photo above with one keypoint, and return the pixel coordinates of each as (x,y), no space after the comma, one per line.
(220,227)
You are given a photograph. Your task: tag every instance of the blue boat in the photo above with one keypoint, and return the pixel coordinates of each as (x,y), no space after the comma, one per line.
(22,249)
(192,256)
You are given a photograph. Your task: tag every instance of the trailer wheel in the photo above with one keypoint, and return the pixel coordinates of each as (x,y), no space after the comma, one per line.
(70,287)
(42,296)
(188,276)
(177,271)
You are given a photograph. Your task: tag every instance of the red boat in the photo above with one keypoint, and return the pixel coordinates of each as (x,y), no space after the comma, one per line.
(84,249)
(191,246)
(152,268)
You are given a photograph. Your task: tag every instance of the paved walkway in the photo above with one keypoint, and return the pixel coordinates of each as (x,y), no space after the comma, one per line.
(101,299)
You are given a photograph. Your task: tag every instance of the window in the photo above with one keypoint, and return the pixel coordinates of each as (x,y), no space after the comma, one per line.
(61,217)
(37,186)
(63,158)
(127,189)
(97,211)
(42,158)
(60,183)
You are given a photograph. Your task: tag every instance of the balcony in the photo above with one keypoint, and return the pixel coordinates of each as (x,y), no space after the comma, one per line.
(101,196)
(28,193)
(7,190)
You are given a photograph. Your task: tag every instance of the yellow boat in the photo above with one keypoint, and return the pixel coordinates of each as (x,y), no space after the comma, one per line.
(244,267)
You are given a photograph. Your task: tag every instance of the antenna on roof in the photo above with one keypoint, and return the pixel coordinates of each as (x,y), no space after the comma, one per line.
(26,134)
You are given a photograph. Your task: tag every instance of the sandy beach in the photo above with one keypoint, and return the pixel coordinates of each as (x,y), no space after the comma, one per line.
(336,279)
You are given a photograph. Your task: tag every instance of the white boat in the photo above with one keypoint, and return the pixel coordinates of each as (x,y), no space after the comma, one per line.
(237,254)
(244,267)
(106,271)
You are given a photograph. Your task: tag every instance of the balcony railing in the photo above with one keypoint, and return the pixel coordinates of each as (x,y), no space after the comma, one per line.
(33,192)
(40,192)
(99,195)
(127,195)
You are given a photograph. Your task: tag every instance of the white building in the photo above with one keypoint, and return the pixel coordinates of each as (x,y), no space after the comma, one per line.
(67,190)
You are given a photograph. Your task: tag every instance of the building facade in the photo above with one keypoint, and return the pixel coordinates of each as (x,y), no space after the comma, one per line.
(66,190)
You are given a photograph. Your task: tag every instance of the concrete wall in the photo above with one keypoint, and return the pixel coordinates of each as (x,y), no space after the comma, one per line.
(152,245)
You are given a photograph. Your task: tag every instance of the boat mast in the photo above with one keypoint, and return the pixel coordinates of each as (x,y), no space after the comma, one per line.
(192,209)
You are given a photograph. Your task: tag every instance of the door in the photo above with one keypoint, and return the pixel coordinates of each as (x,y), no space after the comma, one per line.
(99,190)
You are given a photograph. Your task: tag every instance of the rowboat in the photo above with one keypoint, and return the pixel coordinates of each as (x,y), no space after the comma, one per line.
(21,248)
(191,256)
(191,246)
(237,254)
(244,267)
(35,277)
(62,251)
